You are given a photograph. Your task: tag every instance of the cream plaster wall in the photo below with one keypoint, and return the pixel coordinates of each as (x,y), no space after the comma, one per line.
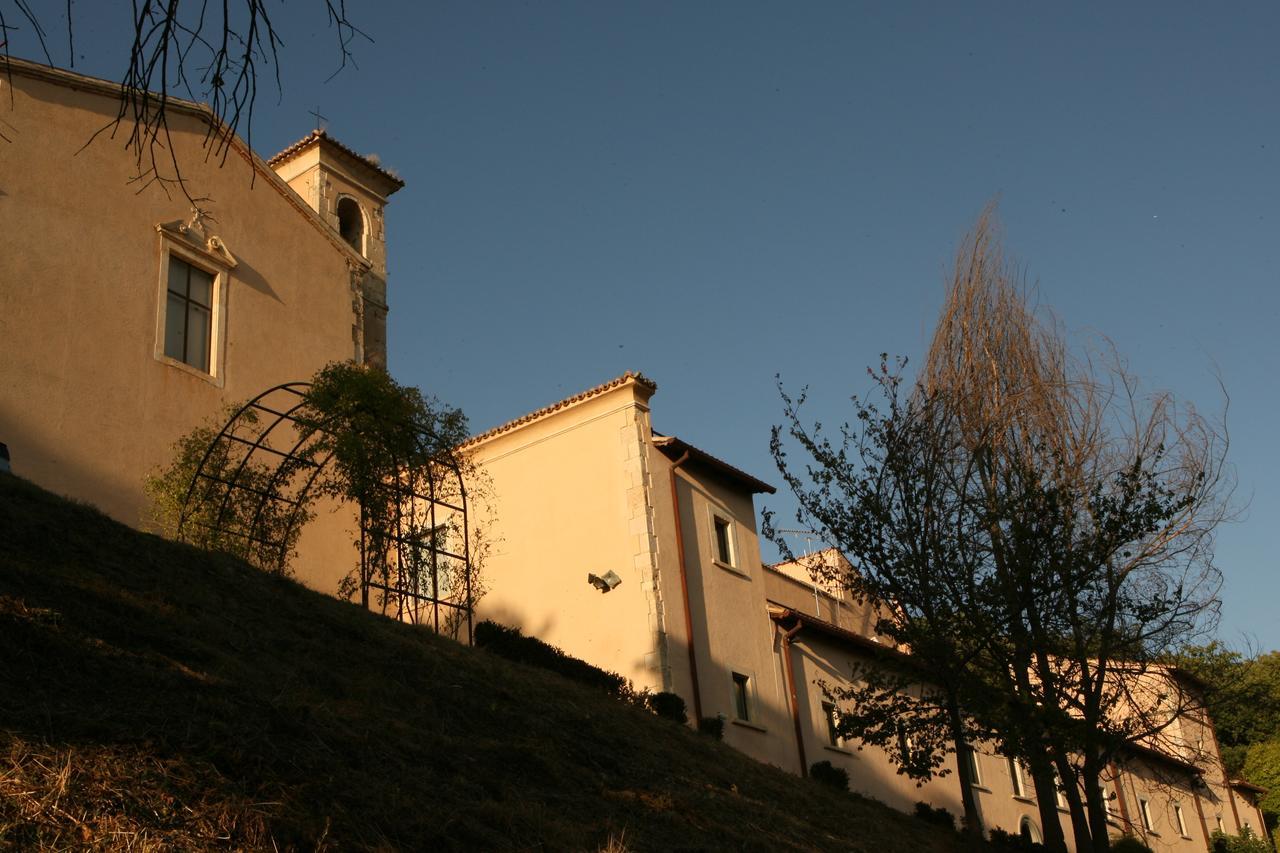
(870,770)
(85,406)
(731,632)
(570,496)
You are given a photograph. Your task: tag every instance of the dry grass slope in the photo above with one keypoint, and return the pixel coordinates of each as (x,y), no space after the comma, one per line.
(153,696)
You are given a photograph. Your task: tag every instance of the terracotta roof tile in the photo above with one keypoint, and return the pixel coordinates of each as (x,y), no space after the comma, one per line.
(629,376)
(317,135)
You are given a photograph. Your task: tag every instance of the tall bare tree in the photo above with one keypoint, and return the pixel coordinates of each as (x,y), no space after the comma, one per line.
(1101,506)
(1029,520)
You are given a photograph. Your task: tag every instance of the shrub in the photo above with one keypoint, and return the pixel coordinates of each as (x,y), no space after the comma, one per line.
(669,706)
(1002,840)
(712,727)
(1129,844)
(511,644)
(940,816)
(1245,842)
(826,773)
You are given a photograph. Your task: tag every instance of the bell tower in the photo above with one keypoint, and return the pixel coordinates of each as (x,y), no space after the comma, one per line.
(350,192)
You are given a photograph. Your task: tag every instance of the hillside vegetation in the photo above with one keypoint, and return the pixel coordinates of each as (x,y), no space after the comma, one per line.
(153,696)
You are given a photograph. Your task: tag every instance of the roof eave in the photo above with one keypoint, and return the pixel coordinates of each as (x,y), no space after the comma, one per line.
(674,447)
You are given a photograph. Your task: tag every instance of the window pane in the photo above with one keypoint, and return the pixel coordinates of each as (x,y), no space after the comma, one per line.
(833,734)
(723,553)
(198,337)
(178,275)
(175,342)
(201,288)
(740,696)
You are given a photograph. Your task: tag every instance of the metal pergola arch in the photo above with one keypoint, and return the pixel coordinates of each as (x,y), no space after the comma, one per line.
(279,463)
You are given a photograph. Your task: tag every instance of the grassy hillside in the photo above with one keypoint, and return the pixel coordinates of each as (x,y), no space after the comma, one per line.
(156,696)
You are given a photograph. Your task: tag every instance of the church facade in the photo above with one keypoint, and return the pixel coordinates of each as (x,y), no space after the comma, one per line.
(130,314)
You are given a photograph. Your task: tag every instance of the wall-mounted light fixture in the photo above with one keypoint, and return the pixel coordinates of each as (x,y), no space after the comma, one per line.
(605,583)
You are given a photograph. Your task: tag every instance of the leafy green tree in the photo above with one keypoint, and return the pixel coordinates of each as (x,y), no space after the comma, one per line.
(1243,698)
(388,444)
(1262,767)
(883,495)
(1245,842)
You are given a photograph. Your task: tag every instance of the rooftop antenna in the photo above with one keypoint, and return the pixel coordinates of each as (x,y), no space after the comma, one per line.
(808,536)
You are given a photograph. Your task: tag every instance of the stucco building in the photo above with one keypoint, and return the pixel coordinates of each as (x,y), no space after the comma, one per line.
(127,318)
(586,487)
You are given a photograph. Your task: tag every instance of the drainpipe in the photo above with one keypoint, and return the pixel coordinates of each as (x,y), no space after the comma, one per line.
(787,637)
(684,590)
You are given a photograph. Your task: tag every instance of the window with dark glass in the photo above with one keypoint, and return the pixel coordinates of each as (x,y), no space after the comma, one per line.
(724,541)
(1015,775)
(1144,809)
(833,723)
(741,696)
(188,317)
(975,769)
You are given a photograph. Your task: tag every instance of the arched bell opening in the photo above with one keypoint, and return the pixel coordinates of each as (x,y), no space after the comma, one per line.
(351,225)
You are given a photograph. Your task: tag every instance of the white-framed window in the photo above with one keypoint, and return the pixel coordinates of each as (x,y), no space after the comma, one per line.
(743,699)
(1144,809)
(1017,778)
(723,547)
(1218,819)
(1180,820)
(1028,830)
(1059,791)
(188,313)
(975,766)
(191,304)
(831,715)
(1108,800)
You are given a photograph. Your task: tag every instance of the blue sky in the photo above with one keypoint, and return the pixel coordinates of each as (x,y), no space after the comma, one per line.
(715,193)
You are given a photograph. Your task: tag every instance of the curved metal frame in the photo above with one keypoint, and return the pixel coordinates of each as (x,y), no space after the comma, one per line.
(404,586)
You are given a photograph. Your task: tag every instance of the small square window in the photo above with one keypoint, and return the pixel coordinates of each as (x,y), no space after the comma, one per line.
(188,314)
(832,716)
(724,540)
(742,696)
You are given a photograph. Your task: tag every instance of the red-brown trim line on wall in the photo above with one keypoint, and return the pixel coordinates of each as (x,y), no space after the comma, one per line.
(787,636)
(1226,780)
(1204,826)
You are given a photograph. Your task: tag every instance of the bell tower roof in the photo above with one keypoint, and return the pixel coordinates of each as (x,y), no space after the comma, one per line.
(362,168)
